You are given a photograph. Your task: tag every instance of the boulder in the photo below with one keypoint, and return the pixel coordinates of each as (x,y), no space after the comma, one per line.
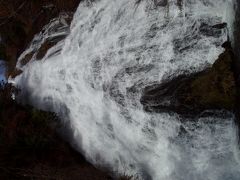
(213,88)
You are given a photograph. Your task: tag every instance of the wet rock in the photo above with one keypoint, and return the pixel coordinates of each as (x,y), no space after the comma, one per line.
(21,20)
(237,61)
(214,30)
(213,88)
(157,2)
(14,73)
(44,48)
(161,2)
(220,26)
(2,52)
(31,147)
(27,58)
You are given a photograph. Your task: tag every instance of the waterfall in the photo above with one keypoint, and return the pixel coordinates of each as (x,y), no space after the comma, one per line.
(94,83)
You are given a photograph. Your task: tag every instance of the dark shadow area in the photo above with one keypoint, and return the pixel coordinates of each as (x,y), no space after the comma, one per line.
(31,148)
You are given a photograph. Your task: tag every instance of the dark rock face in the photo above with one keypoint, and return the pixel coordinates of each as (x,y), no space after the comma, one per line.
(161,2)
(189,95)
(55,31)
(30,145)
(237,35)
(237,61)
(21,20)
(31,148)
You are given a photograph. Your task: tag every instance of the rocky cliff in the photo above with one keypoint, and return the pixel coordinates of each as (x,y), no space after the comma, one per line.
(21,20)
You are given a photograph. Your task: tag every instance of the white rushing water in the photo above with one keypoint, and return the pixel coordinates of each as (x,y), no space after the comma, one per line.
(94,82)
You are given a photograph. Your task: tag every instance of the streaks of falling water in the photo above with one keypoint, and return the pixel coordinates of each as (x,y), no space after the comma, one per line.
(113,51)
